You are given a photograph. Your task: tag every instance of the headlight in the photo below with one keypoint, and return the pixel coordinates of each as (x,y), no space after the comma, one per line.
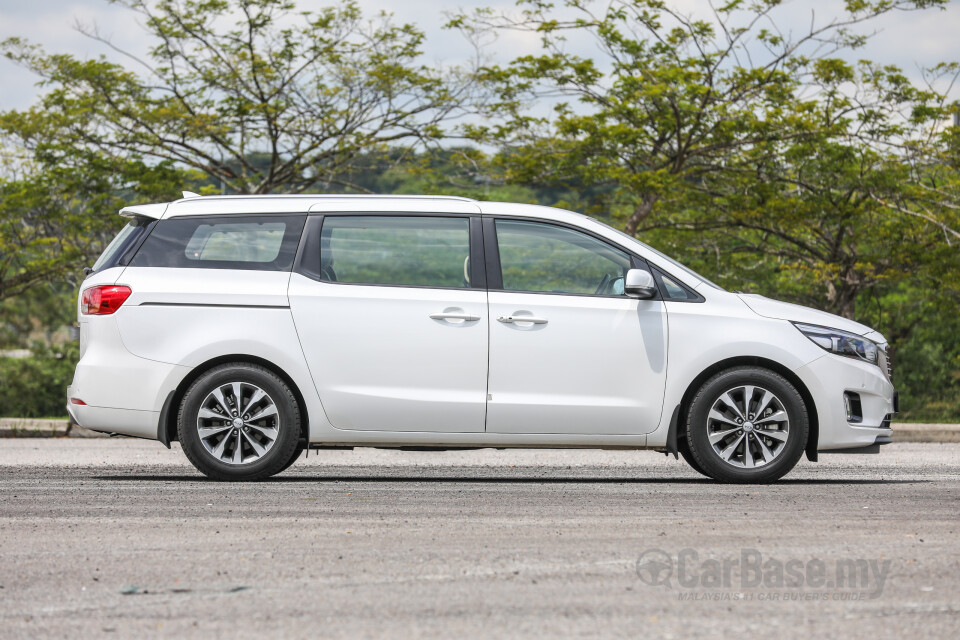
(841,343)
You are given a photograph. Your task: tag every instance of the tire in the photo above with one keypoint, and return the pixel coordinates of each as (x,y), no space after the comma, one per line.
(265,423)
(722,438)
(684,451)
(296,454)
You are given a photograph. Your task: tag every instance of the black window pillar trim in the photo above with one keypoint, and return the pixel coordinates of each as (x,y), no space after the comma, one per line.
(307,261)
(478,271)
(491,254)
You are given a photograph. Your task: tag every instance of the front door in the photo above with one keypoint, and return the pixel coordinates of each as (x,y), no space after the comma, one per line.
(569,352)
(394,323)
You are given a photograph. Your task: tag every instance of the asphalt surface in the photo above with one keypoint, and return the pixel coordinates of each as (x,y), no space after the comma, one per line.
(122,538)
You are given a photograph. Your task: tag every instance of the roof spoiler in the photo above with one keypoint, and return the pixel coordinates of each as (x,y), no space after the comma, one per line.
(154,211)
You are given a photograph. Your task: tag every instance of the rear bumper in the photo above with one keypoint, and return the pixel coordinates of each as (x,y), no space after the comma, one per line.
(129,422)
(827,378)
(122,393)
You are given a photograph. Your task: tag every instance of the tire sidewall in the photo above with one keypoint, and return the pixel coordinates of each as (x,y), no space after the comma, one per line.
(279,454)
(698,439)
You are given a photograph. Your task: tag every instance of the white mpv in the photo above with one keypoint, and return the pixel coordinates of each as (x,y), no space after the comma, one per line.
(250,328)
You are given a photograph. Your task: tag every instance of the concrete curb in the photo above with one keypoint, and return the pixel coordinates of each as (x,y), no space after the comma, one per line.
(32,428)
(906,432)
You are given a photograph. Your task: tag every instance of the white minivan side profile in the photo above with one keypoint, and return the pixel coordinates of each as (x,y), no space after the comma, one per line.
(251,328)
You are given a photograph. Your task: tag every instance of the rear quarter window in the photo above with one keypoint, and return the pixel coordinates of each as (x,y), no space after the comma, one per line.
(123,244)
(265,243)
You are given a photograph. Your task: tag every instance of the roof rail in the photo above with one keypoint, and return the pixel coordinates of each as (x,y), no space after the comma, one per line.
(333,196)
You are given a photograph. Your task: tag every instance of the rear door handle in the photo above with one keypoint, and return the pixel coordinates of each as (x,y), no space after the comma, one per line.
(467,317)
(530,319)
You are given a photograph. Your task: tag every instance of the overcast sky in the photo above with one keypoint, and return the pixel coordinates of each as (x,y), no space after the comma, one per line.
(910,40)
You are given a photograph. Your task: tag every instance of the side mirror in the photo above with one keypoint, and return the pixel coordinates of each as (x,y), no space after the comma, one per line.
(639,284)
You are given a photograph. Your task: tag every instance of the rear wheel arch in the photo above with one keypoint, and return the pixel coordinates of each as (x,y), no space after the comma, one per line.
(167,427)
(688,395)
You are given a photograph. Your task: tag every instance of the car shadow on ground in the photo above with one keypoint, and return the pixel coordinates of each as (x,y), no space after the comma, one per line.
(497,480)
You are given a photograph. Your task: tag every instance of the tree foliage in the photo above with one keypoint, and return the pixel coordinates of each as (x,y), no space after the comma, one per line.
(728,135)
(55,218)
(304,93)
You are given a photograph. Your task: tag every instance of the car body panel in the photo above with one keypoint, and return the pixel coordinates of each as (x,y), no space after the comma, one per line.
(391,366)
(598,366)
(769,308)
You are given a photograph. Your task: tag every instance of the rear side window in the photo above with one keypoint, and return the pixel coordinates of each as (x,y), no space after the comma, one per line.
(416,251)
(129,235)
(265,243)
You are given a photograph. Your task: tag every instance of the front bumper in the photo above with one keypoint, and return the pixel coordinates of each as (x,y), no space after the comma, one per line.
(827,378)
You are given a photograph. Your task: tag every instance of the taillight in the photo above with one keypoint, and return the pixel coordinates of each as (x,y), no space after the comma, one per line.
(102,301)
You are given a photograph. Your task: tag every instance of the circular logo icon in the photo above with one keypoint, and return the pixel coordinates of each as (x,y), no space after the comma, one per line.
(654,567)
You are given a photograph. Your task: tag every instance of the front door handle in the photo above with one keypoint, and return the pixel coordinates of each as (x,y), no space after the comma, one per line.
(466,317)
(530,319)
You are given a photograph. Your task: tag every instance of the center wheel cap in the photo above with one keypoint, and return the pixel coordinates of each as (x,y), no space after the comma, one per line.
(747,426)
(237,423)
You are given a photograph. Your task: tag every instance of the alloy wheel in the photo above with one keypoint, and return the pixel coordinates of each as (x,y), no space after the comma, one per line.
(238,423)
(748,426)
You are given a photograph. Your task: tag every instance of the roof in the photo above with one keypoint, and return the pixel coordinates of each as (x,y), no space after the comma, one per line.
(193,204)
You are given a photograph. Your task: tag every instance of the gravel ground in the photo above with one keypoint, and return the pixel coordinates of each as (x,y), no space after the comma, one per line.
(122,538)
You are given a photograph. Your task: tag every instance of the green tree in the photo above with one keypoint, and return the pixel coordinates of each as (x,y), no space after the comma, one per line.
(278,101)
(56,217)
(758,144)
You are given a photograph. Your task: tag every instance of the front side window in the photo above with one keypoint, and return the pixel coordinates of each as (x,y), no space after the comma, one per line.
(261,242)
(416,251)
(552,259)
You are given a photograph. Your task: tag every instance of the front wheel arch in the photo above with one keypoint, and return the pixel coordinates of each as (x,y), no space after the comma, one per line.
(813,434)
(167,427)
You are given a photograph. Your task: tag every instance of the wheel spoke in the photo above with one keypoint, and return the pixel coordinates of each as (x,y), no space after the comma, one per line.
(217,451)
(256,397)
(728,451)
(218,396)
(775,434)
(719,417)
(764,401)
(776,416)
(256,445)
(717,436)
(764,449)
(263,413)
(747,399)
(237,455)
(237,395)
(206,432)
(747,454)
(733,405)
(210,414)
(270,432)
